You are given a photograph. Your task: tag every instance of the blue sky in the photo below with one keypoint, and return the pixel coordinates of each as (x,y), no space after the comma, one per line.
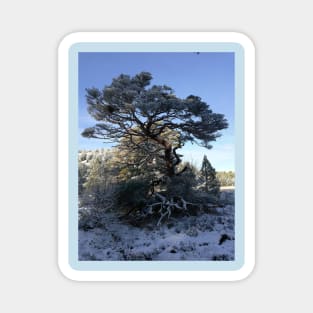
(209,75)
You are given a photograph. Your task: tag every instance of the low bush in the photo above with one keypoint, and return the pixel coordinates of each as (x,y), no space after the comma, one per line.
(132,195)
(181,186)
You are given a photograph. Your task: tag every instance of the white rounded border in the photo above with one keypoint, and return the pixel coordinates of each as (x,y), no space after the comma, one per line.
(249,154)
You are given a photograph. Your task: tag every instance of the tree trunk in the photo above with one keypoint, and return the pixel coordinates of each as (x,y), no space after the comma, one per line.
(170,166)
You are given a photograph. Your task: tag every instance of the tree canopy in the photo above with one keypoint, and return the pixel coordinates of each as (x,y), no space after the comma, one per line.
(151,119)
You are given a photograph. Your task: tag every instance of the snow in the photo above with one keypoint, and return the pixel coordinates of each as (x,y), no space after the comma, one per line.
(184,238)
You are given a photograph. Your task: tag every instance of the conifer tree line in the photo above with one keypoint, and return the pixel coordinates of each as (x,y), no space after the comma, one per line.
(143,174)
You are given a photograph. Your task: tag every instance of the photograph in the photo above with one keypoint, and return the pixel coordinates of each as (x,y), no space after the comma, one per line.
(156,156)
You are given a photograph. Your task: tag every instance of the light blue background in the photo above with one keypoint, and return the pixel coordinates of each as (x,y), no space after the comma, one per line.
(239,162)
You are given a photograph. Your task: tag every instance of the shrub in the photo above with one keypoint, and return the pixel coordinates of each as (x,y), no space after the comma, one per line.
(89,219)
(181,185)
(132,194)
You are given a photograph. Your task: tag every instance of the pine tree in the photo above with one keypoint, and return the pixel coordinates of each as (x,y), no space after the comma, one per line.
(212,185)
(149,124)
(98,181)
(129,109)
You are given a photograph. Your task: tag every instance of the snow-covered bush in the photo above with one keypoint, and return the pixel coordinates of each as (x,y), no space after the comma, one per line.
(90,218)
(227,197)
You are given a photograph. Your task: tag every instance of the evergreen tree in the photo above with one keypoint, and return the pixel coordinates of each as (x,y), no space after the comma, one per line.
(143,116)
(212,185)
(99,181)
(142,158)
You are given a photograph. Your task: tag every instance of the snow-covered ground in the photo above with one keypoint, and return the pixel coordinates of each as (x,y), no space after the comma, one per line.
(203,237)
